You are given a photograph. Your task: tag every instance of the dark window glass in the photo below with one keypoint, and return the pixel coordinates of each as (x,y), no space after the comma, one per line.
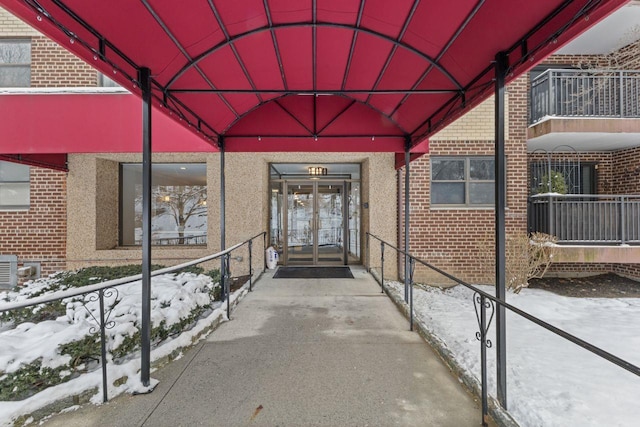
(463,181)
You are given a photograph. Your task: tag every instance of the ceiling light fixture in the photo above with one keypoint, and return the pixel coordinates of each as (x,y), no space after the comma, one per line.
(317,170)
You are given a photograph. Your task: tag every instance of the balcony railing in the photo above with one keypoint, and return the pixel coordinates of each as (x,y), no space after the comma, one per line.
(586,218)
(585,93)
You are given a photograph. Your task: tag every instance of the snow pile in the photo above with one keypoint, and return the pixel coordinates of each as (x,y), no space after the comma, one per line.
(182,309)
(551,381)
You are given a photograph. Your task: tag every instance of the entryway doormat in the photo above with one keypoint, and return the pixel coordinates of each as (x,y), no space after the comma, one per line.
(313,273)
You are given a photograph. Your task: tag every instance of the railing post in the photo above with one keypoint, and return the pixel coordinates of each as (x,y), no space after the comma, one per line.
(552,220)
(103,346)
(552,101)
(225,281)
(264,251)
(412,266)
(621,93)
(382,266)
(368,258)
(250,266)
(483,359)
(623,221)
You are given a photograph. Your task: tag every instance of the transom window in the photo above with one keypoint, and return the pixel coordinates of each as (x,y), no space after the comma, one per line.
(178,205)
(462,181)
(15,63)
(14,186)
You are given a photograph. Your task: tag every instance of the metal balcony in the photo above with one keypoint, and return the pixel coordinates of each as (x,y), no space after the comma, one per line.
(586,218)
(585,93)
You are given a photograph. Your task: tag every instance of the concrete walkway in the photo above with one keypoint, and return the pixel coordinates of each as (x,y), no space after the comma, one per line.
(332,352)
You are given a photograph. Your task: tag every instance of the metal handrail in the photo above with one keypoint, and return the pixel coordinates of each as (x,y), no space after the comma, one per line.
(104,288)
(481,297)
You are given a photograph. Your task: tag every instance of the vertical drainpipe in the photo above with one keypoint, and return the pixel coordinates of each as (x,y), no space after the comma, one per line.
(222,216)
(407,160)
(145,345)
(501,65)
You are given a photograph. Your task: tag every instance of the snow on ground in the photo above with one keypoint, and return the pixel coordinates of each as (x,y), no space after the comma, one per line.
(173,298)
(551,381)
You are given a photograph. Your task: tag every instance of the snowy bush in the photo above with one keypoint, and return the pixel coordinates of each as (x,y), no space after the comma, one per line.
(48,344)
(527,257)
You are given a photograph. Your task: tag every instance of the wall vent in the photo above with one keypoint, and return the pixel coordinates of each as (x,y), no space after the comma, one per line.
(8,271)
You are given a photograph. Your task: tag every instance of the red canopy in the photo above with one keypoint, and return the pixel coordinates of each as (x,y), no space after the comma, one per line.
(322,75)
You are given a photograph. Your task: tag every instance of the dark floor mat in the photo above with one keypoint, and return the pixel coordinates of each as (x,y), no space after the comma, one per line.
(313,273)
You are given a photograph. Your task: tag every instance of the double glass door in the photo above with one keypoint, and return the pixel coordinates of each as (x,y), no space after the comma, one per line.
(315,226)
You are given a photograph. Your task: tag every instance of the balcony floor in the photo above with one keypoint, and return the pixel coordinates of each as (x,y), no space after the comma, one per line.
(584,134)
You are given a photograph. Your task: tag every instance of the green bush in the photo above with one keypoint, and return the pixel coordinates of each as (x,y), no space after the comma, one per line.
(558,183)
(29,380)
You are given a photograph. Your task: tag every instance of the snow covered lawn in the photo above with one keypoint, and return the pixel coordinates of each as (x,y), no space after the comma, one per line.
(551,382)
(182,311)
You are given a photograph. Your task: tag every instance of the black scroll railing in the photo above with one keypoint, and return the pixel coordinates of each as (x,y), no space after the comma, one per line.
(485,307)
(106,293)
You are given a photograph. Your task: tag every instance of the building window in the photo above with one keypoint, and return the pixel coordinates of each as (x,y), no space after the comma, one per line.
(462,181)
(15,63)
(104,81)
(14,186)
(179,204)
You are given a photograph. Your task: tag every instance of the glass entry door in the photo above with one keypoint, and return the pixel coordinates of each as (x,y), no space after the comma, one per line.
(315,223)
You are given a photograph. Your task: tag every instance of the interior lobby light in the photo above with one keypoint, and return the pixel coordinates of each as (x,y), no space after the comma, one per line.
(317,170)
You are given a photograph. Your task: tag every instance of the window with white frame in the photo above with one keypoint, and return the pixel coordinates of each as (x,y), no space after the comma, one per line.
(15,62)
(463,181)
(14,186)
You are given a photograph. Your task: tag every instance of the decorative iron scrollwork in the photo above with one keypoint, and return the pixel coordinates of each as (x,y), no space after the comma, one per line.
(98,296)
(478,302)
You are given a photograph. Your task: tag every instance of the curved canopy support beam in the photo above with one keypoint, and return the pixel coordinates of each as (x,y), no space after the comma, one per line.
(357,30)
(343,95)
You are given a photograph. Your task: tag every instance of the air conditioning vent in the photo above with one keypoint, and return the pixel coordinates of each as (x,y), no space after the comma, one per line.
(5,272)
(8,271)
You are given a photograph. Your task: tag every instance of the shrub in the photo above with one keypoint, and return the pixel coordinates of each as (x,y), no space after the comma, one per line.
(527,257)
(558,183)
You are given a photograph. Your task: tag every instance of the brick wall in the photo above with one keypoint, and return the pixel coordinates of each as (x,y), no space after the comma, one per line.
(53,66)
(631,271)
(625,171)
(453,238)
(474,125)
(627,57)
(40,233)
(10,26)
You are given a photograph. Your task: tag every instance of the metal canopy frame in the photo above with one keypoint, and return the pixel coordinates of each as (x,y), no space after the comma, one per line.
(60,22)
(537,40)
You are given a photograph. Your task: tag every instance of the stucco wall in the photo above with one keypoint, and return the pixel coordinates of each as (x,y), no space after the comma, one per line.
(93,222)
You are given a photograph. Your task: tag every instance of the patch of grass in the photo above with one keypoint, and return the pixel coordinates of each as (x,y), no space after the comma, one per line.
(29,380)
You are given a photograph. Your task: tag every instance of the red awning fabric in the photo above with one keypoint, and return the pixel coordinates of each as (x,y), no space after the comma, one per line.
(297,74)
(54,161)
(59,123)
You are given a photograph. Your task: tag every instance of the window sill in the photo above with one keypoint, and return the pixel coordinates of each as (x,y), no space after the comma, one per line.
(463,208)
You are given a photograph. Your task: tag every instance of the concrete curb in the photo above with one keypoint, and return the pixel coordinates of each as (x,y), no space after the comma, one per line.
(499,415)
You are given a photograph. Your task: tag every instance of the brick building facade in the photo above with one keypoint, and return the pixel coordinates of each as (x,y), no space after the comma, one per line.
(39,234)
(450,237)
